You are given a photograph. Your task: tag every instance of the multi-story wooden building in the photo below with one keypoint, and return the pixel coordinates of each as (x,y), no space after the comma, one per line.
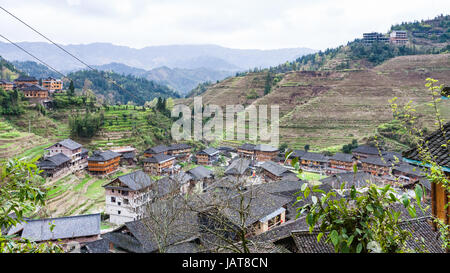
(201,177)
(160,149)
(314,160)
(33,91)
(160,164)
(127,196)
(181,151)
(52,84)
(376,165)
(23,80)
(103,163)
(259,152)
(55,166)
(364,151)
(7,86)
(207,156)
(274,171)
(340,162)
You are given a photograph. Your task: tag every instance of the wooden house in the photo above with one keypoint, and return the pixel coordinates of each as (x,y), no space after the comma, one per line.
(160,149)
(376,165)
(24,80)
(207,156)
(274,171)
(201,178)
(103,163)
(7,86)
(313,160)
(181,151)
(72,149)
(52,84)
(33,91)
(159,164)
(56,165)
(364,151)
(259,152)
(341,162)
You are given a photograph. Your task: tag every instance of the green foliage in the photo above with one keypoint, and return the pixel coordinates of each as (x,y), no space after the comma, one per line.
(11,102)
(86,125)
(347,148)
(20,193)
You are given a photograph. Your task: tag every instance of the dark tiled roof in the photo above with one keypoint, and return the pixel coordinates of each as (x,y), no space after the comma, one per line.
(184,247)
(314,157)
(376,160)
(247,146)
(282,231)
(98,246)
(5,82)
(32,87)
(103,156)
(306,242)
(200,172)
(366,149)
(209,151)
(297,153)
(64,227)
(392,156)
(179,146)
(157,150)
(237,167)
(434,142)
(357,179)
(274,168)
(129,155)
(409,169)
(159,158)
(426,183)
(227,149)
(54,161)
(342,157)
(70,144)
(423,235)
(137,180)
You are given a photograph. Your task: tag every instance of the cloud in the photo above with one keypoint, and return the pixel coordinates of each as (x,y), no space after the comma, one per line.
(237,24)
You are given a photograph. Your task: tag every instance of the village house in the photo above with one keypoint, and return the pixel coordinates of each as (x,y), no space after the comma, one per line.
(177,183)
(73,150)
(313,161)
(160,149)
(407,174)
(238,167)
(201,178)
(359,179)
(274,171)
(7,86)
(55,166)
(79,229)
(52,84)
(207,156)
(181,151)
(259,152)
(127,155)
(33,91)
(103,163)
(295,154)
(340,162)
(160,164)
(127,196)
(24,80)
(364,151)
(437,145)
(376,165)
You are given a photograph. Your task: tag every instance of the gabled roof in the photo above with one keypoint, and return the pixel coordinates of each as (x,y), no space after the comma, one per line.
(64,227)
(237,167)
(314,157)
(159,158)
(179,146)
(129,155)
(69,144)
(157,149)
(376,160)
(103,156)
(5,82)
(54,161)
(135,181)
(358,179)
(274,168)
(342,157)
(200,172)
(32,87)
(366,149)
(247,146)
(409,169)
(297,153)
(435,143)
(209,151)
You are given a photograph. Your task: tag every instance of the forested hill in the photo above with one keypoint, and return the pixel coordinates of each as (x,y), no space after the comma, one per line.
(134,89)
(425,37)
(7,70)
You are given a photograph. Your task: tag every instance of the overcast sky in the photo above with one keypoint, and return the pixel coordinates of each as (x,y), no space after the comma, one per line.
(250,24)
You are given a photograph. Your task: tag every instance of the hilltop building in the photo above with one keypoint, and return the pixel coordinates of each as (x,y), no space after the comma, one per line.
(21,80)
(399,37)
(33,91)
(7,86)
(372,37)
(207,156)
(52,84)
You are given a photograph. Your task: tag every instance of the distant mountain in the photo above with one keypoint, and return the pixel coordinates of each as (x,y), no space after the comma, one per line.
(36,70)
(179,79)
(172,56)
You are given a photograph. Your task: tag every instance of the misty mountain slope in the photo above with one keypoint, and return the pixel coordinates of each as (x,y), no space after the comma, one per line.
(172,56)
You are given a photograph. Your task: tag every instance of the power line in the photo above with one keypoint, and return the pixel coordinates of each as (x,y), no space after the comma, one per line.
(75,57)
(49,66)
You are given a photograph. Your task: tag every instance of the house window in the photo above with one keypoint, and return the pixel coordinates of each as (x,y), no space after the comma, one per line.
(125,201)
(125,193)
(118,212)
(118,203)
(113,199)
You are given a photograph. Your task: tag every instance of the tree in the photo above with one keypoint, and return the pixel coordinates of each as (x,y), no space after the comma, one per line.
(21,193)
(71,90)
(307,147)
